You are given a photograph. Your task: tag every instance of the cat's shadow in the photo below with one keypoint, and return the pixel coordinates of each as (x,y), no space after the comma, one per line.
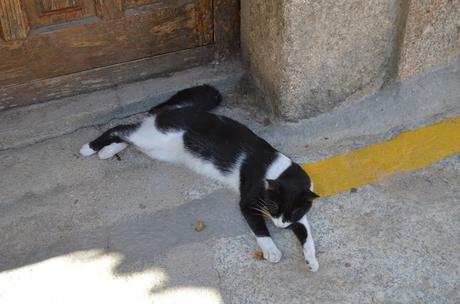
(145,241)
(158,233)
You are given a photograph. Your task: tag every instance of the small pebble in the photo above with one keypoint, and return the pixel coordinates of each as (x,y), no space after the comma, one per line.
(258,255)
(353,190)
(347,264)
(199,226)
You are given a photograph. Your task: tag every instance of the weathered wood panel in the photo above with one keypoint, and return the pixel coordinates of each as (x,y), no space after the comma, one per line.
(46,12)
(42,90)
(81,48)
(204,20)
(132,40)
(13,20)
(53,5)
(109,9)
(136,3)
(226,26)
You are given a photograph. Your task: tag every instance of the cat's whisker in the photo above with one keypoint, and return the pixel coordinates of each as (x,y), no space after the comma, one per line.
(262,205)
(261,208)
(262,201)
(269,203)
(262,212)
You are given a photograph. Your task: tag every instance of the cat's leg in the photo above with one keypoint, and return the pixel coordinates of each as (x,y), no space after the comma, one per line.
(257,224)
(303,233)
(109,143)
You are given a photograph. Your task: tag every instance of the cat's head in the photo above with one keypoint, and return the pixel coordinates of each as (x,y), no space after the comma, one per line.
(289,198)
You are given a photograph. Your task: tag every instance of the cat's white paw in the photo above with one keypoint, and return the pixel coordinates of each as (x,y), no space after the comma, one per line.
(105,153)
(312,264)
(111,150)
(269,249)
(311,259)
(272,255)
(85,150)
(309,246)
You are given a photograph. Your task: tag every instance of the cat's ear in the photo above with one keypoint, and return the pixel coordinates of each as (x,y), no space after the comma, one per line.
(311,195)
(271,184)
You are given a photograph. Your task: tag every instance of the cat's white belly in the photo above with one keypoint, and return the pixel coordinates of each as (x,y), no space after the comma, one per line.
(169,147)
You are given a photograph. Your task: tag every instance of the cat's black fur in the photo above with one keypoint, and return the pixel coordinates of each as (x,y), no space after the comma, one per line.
(222,141)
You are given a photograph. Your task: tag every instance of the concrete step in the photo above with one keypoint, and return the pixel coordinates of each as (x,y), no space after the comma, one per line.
(35,123)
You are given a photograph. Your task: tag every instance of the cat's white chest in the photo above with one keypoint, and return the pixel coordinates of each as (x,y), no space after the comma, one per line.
(162,146)
(170,147)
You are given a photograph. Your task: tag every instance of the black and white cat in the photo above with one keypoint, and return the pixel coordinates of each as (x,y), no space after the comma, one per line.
(182,131)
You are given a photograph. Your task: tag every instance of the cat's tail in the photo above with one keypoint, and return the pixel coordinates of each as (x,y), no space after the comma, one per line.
(203,97)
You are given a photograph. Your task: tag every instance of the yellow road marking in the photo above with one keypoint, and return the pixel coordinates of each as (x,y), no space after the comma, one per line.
(409,151)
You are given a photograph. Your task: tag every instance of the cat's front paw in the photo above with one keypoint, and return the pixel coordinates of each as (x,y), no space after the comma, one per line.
(312,263)
(272,255)
(270,251)
(310,255)
(311,260)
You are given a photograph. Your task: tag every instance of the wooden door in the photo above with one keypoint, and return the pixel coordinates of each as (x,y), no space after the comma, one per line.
(55,48)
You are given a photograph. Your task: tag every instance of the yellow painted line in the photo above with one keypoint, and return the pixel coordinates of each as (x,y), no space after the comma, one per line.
(409,151)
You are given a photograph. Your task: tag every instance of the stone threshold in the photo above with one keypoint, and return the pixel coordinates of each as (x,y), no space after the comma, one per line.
(35,123)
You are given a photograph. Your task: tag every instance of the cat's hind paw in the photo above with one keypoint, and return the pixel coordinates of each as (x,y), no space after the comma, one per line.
(86,150)
(112,149)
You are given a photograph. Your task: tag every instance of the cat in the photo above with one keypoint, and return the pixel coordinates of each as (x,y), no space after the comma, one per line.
(183,131)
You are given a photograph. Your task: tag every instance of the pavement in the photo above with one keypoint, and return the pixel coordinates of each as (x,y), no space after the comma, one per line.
(83,230)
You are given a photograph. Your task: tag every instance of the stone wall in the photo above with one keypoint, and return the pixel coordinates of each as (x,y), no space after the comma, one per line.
(262,34)
(431,38)
(307,56)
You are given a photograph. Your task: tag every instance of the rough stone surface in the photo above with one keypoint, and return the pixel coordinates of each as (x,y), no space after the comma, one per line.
(82,230)
(432,36)
(262,38)
(307,56)
(85,230)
